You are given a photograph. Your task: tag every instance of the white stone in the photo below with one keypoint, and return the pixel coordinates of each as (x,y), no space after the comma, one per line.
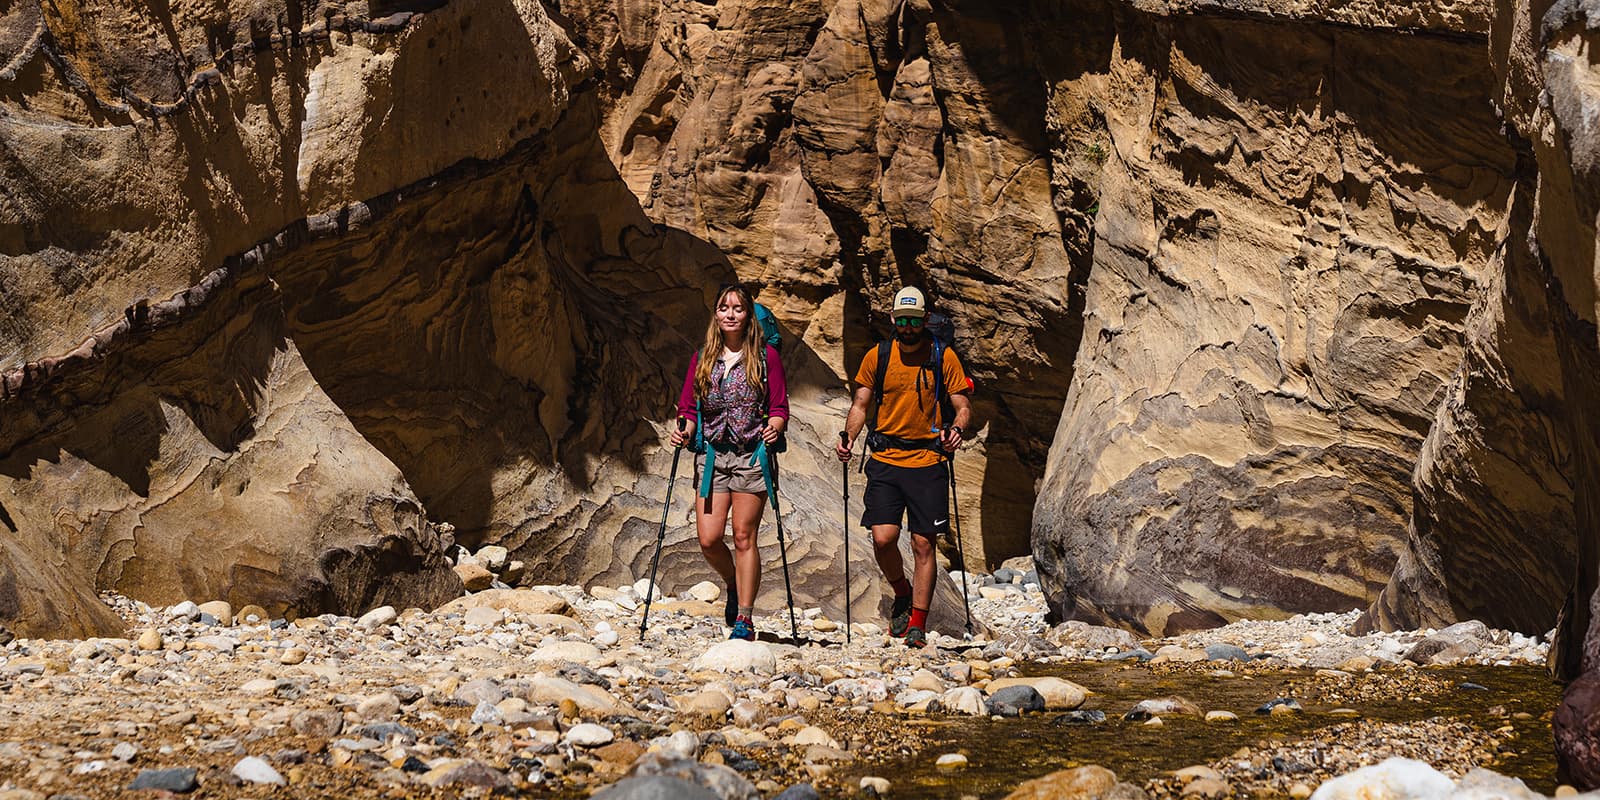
(876,784)
(483,617)
(184,610)
(1393,779)
(682,744)
(258,687)
(964,700)
(705,592)
(606,638)
(737,655)
(377,618)
(493,557)
(253,770)
(381,706)
(589,734)
(951,761)
(579,652)
(812,734)
(641,586)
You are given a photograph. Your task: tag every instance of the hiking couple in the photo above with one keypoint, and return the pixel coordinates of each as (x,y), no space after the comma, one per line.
(734,408)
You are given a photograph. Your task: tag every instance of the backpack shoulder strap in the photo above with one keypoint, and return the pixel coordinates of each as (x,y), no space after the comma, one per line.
(885,349)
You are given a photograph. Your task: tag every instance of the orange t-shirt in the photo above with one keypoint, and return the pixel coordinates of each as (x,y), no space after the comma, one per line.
(907,412)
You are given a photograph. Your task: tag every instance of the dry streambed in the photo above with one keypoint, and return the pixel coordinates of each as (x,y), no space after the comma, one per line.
(551,692)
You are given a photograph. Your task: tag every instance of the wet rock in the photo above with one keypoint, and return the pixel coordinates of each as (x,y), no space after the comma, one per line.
(1094,717)
(875,785)
(1015,700)
(951,761)
(1280,705)
(1058,694)
(176,779)
(964,700)
(1161,707)
(1221,716)
(1080,783)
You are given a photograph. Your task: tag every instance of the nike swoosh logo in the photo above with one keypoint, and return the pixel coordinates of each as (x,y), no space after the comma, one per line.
(942,521)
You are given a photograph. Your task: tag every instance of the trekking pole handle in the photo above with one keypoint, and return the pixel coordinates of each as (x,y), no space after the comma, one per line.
(681,422)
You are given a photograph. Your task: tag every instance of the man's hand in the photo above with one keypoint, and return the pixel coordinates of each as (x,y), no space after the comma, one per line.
(951,438)
(683,433)
(844,447)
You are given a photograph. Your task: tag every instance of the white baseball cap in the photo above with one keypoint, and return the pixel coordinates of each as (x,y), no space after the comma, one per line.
(909,302)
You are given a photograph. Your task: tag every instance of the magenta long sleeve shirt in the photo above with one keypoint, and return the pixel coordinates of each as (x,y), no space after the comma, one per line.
(733,411)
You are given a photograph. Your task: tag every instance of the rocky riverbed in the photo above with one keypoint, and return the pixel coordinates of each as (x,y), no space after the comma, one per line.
(550,691)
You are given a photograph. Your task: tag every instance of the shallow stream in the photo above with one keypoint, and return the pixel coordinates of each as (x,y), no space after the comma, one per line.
(1512,710)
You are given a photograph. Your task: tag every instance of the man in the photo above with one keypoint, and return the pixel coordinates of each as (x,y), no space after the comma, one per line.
(907,473)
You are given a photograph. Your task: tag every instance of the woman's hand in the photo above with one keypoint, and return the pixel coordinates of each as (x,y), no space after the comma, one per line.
(683,433)
(773,429)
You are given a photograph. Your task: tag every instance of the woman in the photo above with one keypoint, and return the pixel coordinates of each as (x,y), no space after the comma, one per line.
(735,383)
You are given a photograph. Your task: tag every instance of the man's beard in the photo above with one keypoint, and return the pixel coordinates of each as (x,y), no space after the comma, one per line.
(909,337)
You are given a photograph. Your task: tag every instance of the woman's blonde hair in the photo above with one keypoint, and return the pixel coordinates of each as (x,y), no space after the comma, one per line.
(754,349)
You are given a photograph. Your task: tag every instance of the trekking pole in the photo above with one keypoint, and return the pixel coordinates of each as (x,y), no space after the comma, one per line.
(661,535)
(844,439)
(955,516)
(783,550)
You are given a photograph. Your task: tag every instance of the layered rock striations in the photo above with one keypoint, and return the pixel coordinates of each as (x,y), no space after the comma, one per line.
(1287,245)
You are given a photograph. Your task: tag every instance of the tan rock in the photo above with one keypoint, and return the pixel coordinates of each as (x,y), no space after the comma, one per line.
(513,601)
(474,577)
(1080,783)
(1057,693)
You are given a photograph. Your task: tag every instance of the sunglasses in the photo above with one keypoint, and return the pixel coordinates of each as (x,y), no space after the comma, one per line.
(908,322)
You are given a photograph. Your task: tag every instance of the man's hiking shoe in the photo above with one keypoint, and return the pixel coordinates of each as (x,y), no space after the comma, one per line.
(915,637)
(900,616)
(730,612)
(743,629)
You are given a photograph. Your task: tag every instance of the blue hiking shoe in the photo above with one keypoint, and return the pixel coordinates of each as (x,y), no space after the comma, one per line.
(744,629)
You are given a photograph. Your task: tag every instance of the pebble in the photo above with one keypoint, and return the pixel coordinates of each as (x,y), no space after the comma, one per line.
(705,592)
(377,618)
(176,779)
(150,639)
(588,734)
(253,770)
(951,761)
(879,786)
(220,610)
(1221,716)
(293,656)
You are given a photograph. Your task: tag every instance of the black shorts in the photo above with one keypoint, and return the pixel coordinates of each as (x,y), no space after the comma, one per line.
(915,492)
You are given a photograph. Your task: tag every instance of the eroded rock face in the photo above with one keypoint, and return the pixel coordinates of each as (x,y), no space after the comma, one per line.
(1287,246)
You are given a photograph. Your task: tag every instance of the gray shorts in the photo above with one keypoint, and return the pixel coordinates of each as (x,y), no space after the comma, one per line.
(732,472)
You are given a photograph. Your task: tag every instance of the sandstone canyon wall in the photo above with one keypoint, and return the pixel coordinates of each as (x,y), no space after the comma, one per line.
(1273,307)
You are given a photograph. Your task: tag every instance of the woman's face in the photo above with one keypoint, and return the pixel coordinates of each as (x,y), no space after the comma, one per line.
(731,313)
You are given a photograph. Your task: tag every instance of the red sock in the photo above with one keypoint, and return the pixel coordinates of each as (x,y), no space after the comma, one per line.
(901,587)
(919,618)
